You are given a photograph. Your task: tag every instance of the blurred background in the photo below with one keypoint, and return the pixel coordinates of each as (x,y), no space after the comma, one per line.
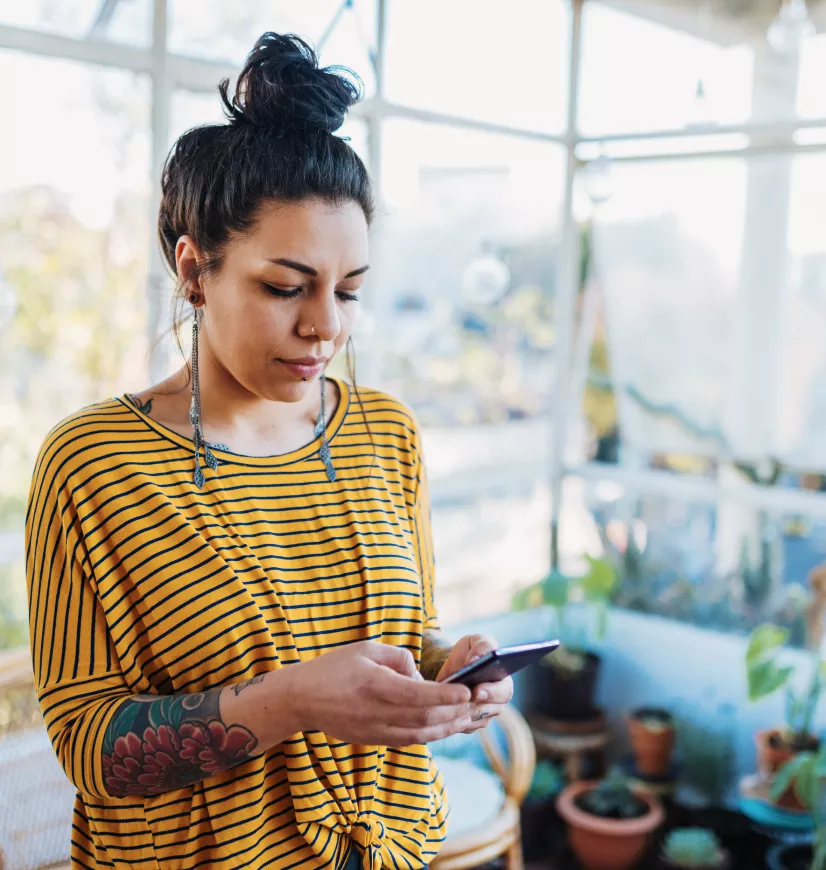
(600,269)
(599,280)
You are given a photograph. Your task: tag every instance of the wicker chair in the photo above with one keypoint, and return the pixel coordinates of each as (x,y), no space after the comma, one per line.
(486,833)
(36,798)
(35,795)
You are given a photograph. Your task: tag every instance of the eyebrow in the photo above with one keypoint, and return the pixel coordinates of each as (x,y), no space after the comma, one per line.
(308,270)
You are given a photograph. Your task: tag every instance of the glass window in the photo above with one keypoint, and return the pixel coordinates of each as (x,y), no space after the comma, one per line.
(126,21)
(709,319)
(188,109)
(724,566)
(697,81)
(506,63)
(462,294)
(666,269)
(466,270)
(14,622)
(227,31)
(74,242)
(811,97)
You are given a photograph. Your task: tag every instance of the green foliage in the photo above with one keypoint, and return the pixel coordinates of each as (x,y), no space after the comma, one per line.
(612,798)
(806,772)
(547,781)
(14,630)
(706,737)
(692,847)
(562,593)
(766,676)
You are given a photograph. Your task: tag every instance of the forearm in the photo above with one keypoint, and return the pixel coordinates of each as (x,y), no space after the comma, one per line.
(435,650)
(155,744)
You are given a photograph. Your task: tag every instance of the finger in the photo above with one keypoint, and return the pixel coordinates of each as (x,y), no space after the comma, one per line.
(396,658)
(482,645)
(416,736)
(421,717)
(481,718)
(500,692)
(395,689)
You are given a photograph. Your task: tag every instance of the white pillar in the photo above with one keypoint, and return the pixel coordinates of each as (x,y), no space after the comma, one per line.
(158,283)
(752,401)
(566,291)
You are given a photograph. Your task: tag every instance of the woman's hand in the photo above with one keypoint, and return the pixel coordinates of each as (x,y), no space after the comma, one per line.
(371,693)
(488,698)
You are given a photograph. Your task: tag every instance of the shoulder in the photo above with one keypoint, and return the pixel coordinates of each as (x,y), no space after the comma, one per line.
(385,412)
(83,437)
(388,425)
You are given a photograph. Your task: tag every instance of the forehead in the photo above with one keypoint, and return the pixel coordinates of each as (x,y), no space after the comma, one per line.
(315,232)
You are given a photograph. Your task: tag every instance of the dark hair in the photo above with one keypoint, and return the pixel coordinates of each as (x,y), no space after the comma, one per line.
(278,144)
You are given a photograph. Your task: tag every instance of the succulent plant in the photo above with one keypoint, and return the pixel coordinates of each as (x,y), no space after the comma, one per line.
(547,781)
(656,721)
(612,798)
(692,847)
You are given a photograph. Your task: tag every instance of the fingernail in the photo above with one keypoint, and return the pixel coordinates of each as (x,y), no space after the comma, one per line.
(482,696)
(474,659)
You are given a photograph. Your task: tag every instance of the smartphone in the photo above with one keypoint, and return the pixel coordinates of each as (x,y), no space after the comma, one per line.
(500,663)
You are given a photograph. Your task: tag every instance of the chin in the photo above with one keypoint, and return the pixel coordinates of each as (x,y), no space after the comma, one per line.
(288,390)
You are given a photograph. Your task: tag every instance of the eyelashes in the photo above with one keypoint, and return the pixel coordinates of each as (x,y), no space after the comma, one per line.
(293,292)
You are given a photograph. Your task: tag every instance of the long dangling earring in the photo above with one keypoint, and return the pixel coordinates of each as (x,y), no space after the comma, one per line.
(321,429)
(195,411)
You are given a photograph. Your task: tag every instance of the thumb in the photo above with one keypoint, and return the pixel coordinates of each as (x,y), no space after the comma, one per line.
(480,645)
(396,658)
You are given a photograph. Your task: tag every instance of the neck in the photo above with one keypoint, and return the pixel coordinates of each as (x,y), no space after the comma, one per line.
(249,424)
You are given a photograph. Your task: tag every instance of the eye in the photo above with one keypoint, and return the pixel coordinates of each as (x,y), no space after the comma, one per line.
(348,296)
(283,293)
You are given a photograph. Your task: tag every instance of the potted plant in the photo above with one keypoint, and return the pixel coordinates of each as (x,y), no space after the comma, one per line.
(538,812)
(693,849)
(777,746)
(566,679)
(652,738)
(805,774)
(609,825)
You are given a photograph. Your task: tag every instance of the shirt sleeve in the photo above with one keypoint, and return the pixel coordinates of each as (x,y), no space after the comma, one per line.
(423,540)
(77,676)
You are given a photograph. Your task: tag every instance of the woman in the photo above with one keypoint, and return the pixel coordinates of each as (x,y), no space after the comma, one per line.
(230,575)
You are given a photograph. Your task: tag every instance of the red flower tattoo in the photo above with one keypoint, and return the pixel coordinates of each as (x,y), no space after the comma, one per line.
(173,757)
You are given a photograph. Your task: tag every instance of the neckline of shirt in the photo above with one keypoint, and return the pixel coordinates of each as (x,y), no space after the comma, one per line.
(241,458)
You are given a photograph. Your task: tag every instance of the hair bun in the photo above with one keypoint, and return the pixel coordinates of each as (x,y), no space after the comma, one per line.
(281,85)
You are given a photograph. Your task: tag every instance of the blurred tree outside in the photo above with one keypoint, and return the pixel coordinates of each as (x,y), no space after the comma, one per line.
(75,259)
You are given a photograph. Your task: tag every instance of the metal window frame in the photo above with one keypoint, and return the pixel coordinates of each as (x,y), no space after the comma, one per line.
(170,71)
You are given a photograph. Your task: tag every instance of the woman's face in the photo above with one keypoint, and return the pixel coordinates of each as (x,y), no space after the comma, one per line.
(283,303)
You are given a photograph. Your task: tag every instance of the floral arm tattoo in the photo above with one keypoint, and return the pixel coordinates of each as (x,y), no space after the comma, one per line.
(157,743)
(435,650)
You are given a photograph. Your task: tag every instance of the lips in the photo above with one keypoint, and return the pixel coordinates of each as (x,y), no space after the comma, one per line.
(306,367)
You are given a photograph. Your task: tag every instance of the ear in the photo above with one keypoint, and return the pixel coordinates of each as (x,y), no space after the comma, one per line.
(187,258)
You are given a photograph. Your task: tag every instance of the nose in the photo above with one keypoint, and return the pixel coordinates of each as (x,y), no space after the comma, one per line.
(322,313)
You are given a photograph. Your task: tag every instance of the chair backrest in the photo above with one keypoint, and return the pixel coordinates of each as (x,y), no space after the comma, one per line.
(506,746)
(36,798)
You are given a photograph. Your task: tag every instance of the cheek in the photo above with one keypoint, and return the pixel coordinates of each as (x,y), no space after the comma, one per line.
(347,318)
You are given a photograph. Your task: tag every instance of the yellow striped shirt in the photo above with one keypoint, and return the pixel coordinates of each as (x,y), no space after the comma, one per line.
(140,583)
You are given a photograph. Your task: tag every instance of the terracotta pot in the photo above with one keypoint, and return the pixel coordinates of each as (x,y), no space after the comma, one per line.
(607,844)
(772,754)
(652,747)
